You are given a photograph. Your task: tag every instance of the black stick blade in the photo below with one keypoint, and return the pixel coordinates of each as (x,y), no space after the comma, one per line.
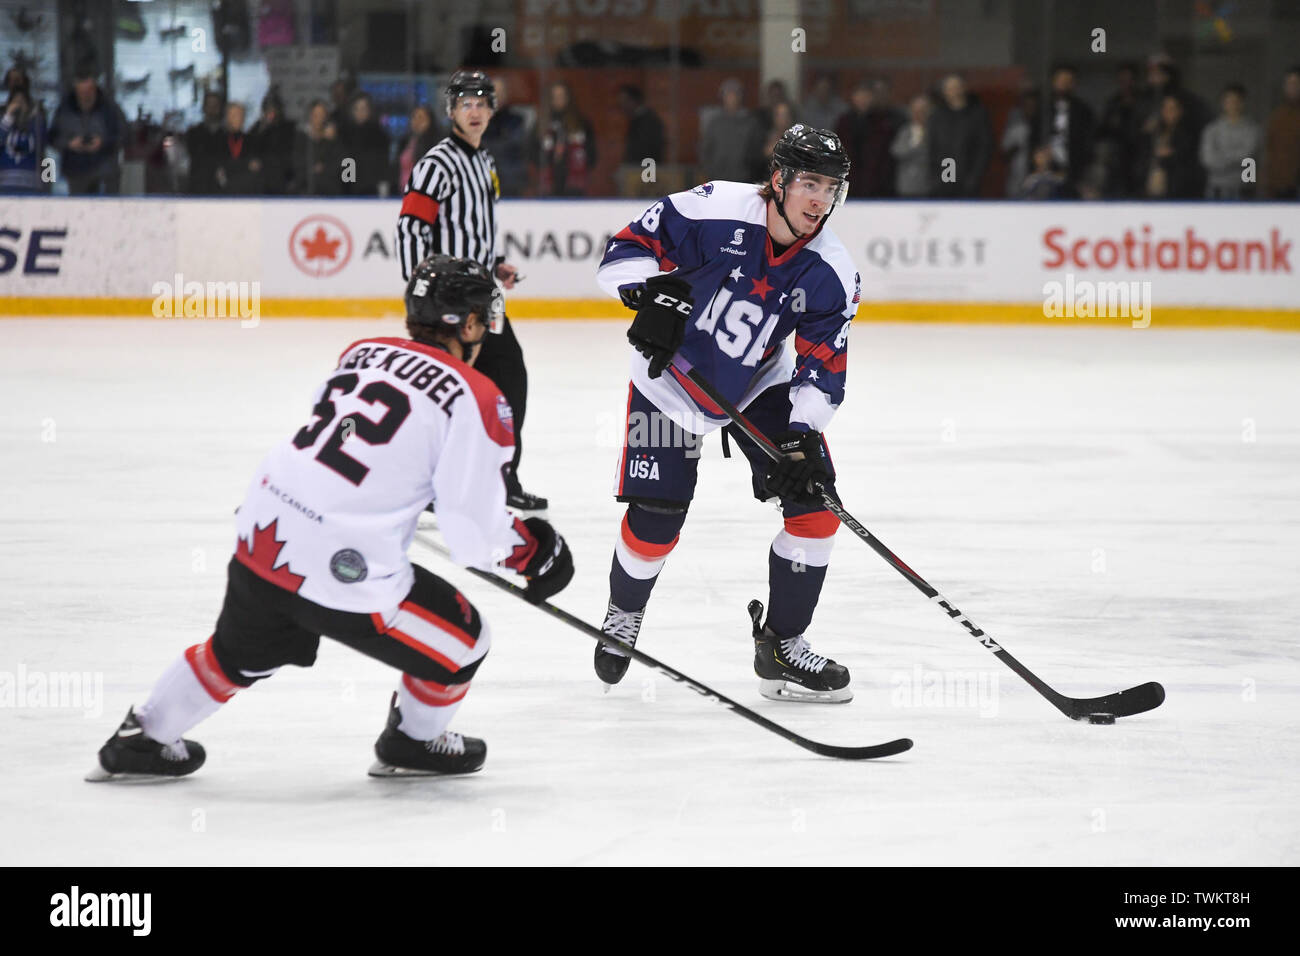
(1124,703)
(872,752)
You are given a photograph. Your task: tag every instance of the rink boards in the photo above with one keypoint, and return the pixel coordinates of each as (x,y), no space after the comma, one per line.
(1056,263)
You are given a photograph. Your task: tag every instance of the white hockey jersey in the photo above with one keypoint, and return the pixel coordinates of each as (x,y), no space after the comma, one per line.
(331,512)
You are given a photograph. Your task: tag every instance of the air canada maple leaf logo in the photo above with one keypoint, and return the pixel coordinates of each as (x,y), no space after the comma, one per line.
(260,556)
(320,246)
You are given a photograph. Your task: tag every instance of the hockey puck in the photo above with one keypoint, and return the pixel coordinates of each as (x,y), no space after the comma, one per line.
(1101,718)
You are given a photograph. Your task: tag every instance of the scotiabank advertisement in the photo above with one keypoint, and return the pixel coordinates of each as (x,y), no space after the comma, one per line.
(1212,255)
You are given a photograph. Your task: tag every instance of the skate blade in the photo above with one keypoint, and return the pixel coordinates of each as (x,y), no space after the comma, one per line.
(784,690)
(98,774)
(381,769)
(524,514)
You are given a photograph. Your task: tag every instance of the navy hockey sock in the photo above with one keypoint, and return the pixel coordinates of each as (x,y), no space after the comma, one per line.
(796,569)
(793,590)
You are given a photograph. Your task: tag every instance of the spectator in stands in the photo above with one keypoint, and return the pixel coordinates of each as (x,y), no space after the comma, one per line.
(959,131)
(867,130)
(238,167)
(731,139)
(645,140)
(1073,125)
(1119,135)
(507,138)
(822,108)
(911,152)
(274,140)
(1172,153)
(1047,179)
(1164,79)
(773,94)
(17,78)
(419,139)
(203,143)
(341,92)
(320,157)
(88,130)
(1225,143)
(22,141)
(645,130)
(1282,158)
(782,120)
(364,141)
(566,147)
(1018,137)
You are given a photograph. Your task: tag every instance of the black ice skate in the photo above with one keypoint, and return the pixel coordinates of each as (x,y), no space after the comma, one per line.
(529,506)
(789,670)
(611,665)
(403,756)
(520,501)
(129,754)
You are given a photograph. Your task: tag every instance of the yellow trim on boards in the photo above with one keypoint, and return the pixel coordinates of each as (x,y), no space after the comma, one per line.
(1001,313)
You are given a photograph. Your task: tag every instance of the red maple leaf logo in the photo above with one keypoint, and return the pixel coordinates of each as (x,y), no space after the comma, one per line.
(260,558)
(320,246)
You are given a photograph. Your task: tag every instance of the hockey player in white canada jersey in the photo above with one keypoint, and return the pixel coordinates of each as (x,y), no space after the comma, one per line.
(724,274)
(322,536)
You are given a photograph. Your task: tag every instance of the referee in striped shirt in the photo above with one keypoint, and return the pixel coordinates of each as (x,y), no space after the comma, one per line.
(449,207)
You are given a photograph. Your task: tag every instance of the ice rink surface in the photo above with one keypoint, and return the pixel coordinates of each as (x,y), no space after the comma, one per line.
(1113,505)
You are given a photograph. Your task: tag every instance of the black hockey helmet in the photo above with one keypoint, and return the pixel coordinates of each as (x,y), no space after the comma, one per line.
(469,83)
(444,290)
(804,149)
(808,150)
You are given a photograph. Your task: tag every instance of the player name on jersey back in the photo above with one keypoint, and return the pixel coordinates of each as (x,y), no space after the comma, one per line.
(418,371)
(332,510)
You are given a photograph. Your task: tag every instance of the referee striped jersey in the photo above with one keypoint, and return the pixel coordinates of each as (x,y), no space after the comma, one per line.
(449,206)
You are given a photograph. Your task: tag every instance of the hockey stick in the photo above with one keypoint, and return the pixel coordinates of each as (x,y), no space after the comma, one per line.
(1124,703)
(888,749)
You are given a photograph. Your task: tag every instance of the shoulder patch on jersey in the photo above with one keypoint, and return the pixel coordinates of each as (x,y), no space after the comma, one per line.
(721,200)
(857,287)
(505,414)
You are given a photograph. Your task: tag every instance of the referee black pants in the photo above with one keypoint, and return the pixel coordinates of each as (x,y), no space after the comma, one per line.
(502,360)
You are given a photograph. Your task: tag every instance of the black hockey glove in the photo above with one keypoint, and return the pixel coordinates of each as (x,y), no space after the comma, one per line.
(660,323)
(792,477)
(550,569)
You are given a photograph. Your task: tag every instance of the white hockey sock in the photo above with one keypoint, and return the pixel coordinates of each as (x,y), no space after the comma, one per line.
(427,707)
(180,700)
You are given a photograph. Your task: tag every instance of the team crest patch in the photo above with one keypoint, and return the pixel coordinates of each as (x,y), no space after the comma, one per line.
(857,287)
(348,566)
(704,189)
(505,414)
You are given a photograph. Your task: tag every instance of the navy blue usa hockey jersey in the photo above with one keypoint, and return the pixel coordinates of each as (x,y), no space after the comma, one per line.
(749,303)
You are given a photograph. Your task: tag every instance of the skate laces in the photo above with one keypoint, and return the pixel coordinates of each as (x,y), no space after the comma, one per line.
(798,653)
(175,752)
(448,743)
(624,625)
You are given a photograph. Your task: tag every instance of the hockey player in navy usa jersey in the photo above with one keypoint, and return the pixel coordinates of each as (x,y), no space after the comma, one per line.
(748,284)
